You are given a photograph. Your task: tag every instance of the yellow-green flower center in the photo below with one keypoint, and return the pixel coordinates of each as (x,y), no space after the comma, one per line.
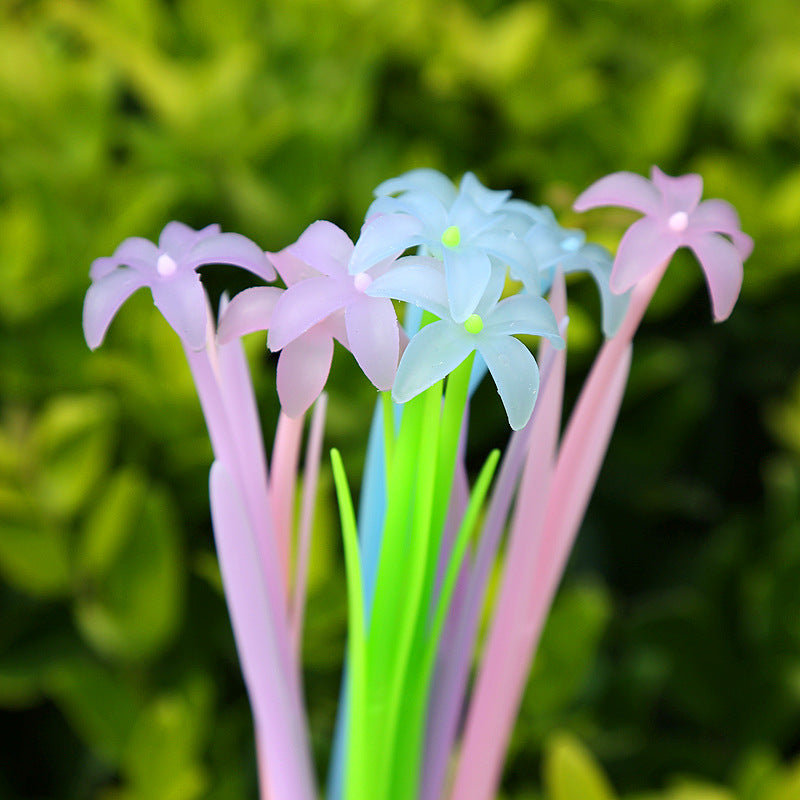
(473,324)
(451,236)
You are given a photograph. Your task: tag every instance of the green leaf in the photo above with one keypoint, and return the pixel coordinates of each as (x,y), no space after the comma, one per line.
(571,773)
(35,559)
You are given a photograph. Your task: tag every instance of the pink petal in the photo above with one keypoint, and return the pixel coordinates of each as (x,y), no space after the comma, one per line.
(291,269)
(719,216)
(303,368)
(230,248)
(134,252)
(625,189)
(722,265)
(324,247)
(103,300)
(644,247)
(304,305)
(680,194)
(177,238)
(374,339)
(182,301)
(251,310)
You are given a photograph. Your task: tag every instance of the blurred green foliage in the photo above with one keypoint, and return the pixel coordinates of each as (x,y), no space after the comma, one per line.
(673,652)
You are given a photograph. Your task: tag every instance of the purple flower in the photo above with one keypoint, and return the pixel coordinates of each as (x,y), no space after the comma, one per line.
(674,217)
(169,270)
(324,302)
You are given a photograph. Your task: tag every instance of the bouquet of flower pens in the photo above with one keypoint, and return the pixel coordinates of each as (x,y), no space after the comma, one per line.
(422,715)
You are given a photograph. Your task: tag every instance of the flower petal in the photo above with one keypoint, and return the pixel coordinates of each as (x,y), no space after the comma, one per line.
(722,266)
(384,236)
(303,368)
(325,247)
(515,374)
(374,338)
(488,200)
(625,189)
(524,314)
(250,311)
(435,351)
(182,301)
(643,248)
(103,300)
(177,238)
(291,269)
(230,248)
(134,252)
(304,305)
(680,194)
(719,216)
(425,207)
(426,180)
(417,280)
(467,272)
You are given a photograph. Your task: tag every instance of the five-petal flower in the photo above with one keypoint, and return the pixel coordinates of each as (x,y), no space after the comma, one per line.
(169,269)
(674,217)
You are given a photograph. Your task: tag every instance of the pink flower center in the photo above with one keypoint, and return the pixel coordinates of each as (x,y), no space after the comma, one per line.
(166,266)
(678,222)
(362,281)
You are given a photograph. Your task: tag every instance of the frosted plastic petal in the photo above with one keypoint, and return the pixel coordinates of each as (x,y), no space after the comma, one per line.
(134,252)
(425,207)
(424,179)
(182,301)
(374,338)
(230,248)
(177,238)
(325,247)
(642,249)
(515,374)
(384,236)
(250,311)
(719,216)
(723,270)
(680,194)
(417,280)
(303,368)
(103,300)
(291,269)
(435,351)
(625,189)
(467,272)
(488,200)
(305,304)
(506,247)
(523,314)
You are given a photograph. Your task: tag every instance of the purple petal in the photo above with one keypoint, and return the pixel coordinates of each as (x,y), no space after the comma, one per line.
(374,338)
(644,247)
(436,350)
(182,301)
(722,265)
(250,311)
(324,247)
(134,252)
(291,269)
(177,238)
(625,189)
(680,194)
(230,248)
(103,300)
(467,272)
(515,373)
(719,216)
(304,305)
(303,368)
(385,236)
(417,280)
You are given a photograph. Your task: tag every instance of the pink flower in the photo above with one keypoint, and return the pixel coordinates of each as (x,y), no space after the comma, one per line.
(323,302)
(674,217)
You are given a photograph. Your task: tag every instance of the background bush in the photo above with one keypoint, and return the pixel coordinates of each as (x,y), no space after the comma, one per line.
(674,649)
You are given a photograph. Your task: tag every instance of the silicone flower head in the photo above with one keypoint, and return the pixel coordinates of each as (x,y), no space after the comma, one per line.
(169,270)
(674,217)
(463,229)
(438,348)
(323,302)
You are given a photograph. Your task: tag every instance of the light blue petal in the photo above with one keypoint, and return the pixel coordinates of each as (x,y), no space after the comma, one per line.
(425,207)
(470,218)
(429,181)
(488,200)
(515,374)
(417,280)
(468,271)
(382,237)
(523,314)
(434,352)
(507,248)
(493,290)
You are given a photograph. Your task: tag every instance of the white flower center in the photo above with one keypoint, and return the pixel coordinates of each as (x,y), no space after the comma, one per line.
(166,266)
(678,222)
(362,281)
